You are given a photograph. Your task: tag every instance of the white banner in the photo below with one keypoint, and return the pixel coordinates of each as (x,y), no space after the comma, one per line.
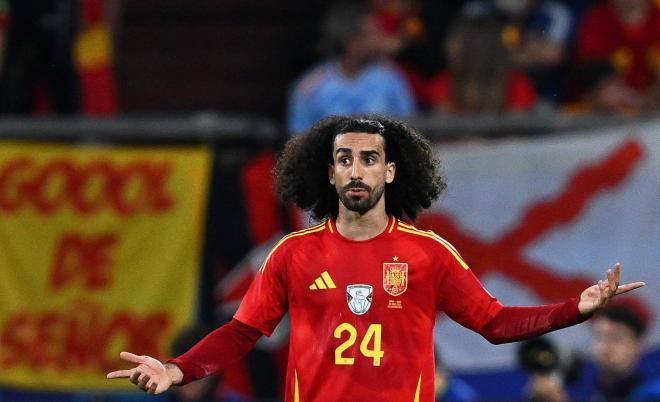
(539,219)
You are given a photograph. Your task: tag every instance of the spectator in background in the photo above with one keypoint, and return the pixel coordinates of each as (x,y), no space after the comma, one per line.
(625,33)
(537,33)
(399,22)
(356,78)
(598,88)
(480,77)
(449,388)
(617,348)
(39,51)
(540,359)
(413,29)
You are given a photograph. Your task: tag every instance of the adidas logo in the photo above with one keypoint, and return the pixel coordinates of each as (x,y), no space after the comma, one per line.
(323,282)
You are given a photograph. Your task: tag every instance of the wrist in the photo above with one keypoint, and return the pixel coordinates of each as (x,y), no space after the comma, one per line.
(174,373)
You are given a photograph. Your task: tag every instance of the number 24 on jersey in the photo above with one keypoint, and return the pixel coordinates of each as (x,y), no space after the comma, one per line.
(373,332)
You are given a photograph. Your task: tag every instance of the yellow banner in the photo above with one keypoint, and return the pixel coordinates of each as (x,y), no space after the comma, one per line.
(99,252)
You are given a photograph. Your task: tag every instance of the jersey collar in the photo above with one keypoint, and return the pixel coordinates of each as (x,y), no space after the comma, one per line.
(392,223)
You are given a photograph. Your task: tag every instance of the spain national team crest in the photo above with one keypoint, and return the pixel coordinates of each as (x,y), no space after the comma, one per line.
(359,298)
(395,277)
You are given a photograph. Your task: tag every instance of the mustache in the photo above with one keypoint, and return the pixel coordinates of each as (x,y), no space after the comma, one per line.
(356,184)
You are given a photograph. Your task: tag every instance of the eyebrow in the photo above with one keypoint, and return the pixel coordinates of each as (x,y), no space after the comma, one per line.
(363,153)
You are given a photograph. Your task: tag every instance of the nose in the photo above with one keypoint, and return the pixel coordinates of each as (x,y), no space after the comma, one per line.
(356,172)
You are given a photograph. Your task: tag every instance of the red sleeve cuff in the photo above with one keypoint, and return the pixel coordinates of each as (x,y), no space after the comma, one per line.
(187,369)
(568,314)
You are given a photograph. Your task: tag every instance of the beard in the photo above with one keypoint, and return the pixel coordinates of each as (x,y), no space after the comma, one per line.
(357,203)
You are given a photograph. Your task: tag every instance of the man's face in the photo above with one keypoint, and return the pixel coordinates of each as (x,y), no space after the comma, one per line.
(359,171)
(367,43)
(615,347)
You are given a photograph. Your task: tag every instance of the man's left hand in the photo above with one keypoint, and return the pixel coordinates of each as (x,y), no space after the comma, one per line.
(597,296)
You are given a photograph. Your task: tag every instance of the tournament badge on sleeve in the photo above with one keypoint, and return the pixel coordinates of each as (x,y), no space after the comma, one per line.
(395,277)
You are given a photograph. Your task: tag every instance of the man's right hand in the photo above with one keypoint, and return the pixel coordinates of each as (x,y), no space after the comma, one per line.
(150,375)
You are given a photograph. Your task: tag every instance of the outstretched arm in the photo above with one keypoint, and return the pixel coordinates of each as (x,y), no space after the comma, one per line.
(512,324)
(220,348)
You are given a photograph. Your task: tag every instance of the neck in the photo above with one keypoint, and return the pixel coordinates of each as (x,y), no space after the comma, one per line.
(355,226)
(349,67)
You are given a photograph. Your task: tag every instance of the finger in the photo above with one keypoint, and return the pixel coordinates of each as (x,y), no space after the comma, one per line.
(120,374)
(629,286)
(135,376)
(152,388)
(128,356)
(611,281)
(149,383)
(617,273)
(602,288)
(143,380)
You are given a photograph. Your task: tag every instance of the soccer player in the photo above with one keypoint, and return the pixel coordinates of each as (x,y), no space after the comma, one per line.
(363,287)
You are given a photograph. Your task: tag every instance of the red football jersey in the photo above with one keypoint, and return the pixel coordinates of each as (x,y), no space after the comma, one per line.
(362,312)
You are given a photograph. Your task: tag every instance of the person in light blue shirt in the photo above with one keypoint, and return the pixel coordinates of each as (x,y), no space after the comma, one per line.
(355,79)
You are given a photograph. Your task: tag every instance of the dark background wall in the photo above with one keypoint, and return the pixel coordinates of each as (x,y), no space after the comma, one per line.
(230,55)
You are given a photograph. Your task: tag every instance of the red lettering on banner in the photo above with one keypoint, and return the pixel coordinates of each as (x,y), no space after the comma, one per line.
(84,338)
(506,254)
(12,338)
(47,193)
(96,176)
(12,184)
(84,258)
(86,188)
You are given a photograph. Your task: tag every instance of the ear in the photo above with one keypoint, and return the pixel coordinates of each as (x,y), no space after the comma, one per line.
(331,174)
(389,173)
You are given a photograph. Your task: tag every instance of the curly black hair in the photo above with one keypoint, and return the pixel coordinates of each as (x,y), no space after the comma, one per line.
(301,172)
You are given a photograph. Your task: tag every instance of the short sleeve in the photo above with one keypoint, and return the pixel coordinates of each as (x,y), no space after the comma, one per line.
(266,300)
(460,294)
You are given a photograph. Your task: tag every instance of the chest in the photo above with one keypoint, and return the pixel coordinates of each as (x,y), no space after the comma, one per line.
(361,280)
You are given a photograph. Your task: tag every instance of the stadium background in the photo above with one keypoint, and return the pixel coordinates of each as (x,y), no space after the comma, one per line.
(188,100)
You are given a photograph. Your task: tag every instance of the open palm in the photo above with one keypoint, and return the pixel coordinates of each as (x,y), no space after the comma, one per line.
(150,375)
(598,295)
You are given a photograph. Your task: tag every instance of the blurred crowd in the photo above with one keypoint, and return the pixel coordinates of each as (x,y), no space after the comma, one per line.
(500,56)
(614,369)
(397,57)
(56,57)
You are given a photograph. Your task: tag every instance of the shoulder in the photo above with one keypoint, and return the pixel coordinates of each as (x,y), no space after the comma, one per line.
(432,240)
(314,78)
(648,390)
(293,241)
(384,70)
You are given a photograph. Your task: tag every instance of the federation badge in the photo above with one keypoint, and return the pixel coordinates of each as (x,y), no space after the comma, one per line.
(395,277)
(359,298)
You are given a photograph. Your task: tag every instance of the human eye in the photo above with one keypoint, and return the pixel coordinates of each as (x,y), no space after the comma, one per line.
(344,160)
(369,160)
